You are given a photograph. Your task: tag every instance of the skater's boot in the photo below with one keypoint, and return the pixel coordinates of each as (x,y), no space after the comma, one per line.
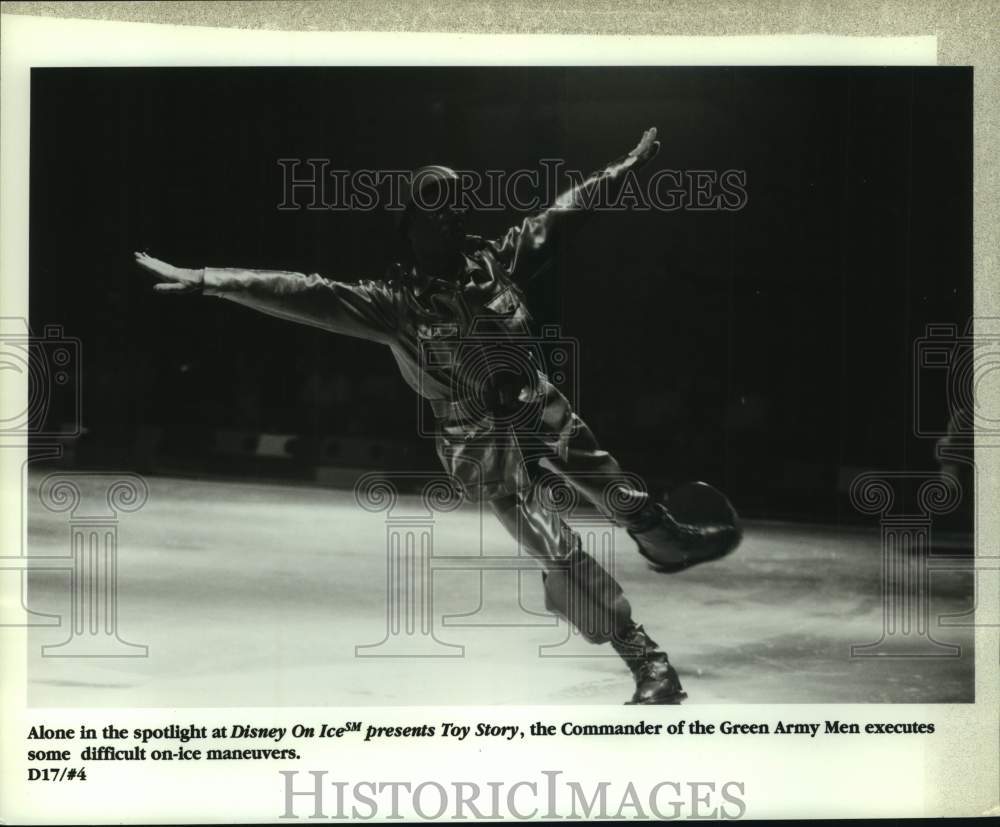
(671,545)
(656,681)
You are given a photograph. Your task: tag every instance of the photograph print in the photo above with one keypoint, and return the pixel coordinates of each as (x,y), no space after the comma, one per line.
(500,385)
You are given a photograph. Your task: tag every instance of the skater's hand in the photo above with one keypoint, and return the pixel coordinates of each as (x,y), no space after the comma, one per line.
(647,147)
(176,280)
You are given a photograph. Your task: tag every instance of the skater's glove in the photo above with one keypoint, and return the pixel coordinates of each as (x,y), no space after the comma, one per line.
(647,148)
(176,280)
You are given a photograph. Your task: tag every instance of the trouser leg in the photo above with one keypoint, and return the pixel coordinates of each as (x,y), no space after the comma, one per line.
(576,586)
(584,593)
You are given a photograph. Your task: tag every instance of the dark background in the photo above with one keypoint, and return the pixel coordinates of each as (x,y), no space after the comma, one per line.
(769,350)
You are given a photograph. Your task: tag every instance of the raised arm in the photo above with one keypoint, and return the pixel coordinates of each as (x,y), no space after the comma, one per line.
(523,246)
(365,310)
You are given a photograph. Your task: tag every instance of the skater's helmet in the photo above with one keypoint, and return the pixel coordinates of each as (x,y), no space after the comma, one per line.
(428,188)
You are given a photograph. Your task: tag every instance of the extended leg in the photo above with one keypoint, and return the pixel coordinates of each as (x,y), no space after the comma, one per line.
(577,587)
(699,527)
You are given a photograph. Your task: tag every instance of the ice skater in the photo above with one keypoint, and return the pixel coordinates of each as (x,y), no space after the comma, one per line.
(455,319)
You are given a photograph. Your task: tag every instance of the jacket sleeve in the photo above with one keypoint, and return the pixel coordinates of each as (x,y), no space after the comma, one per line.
(366,309)
(526,248)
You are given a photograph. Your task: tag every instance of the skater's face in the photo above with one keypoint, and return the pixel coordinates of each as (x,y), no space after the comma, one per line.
(435,225)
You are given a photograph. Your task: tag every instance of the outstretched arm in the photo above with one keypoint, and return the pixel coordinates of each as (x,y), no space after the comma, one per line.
(520,247)
(365,310)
